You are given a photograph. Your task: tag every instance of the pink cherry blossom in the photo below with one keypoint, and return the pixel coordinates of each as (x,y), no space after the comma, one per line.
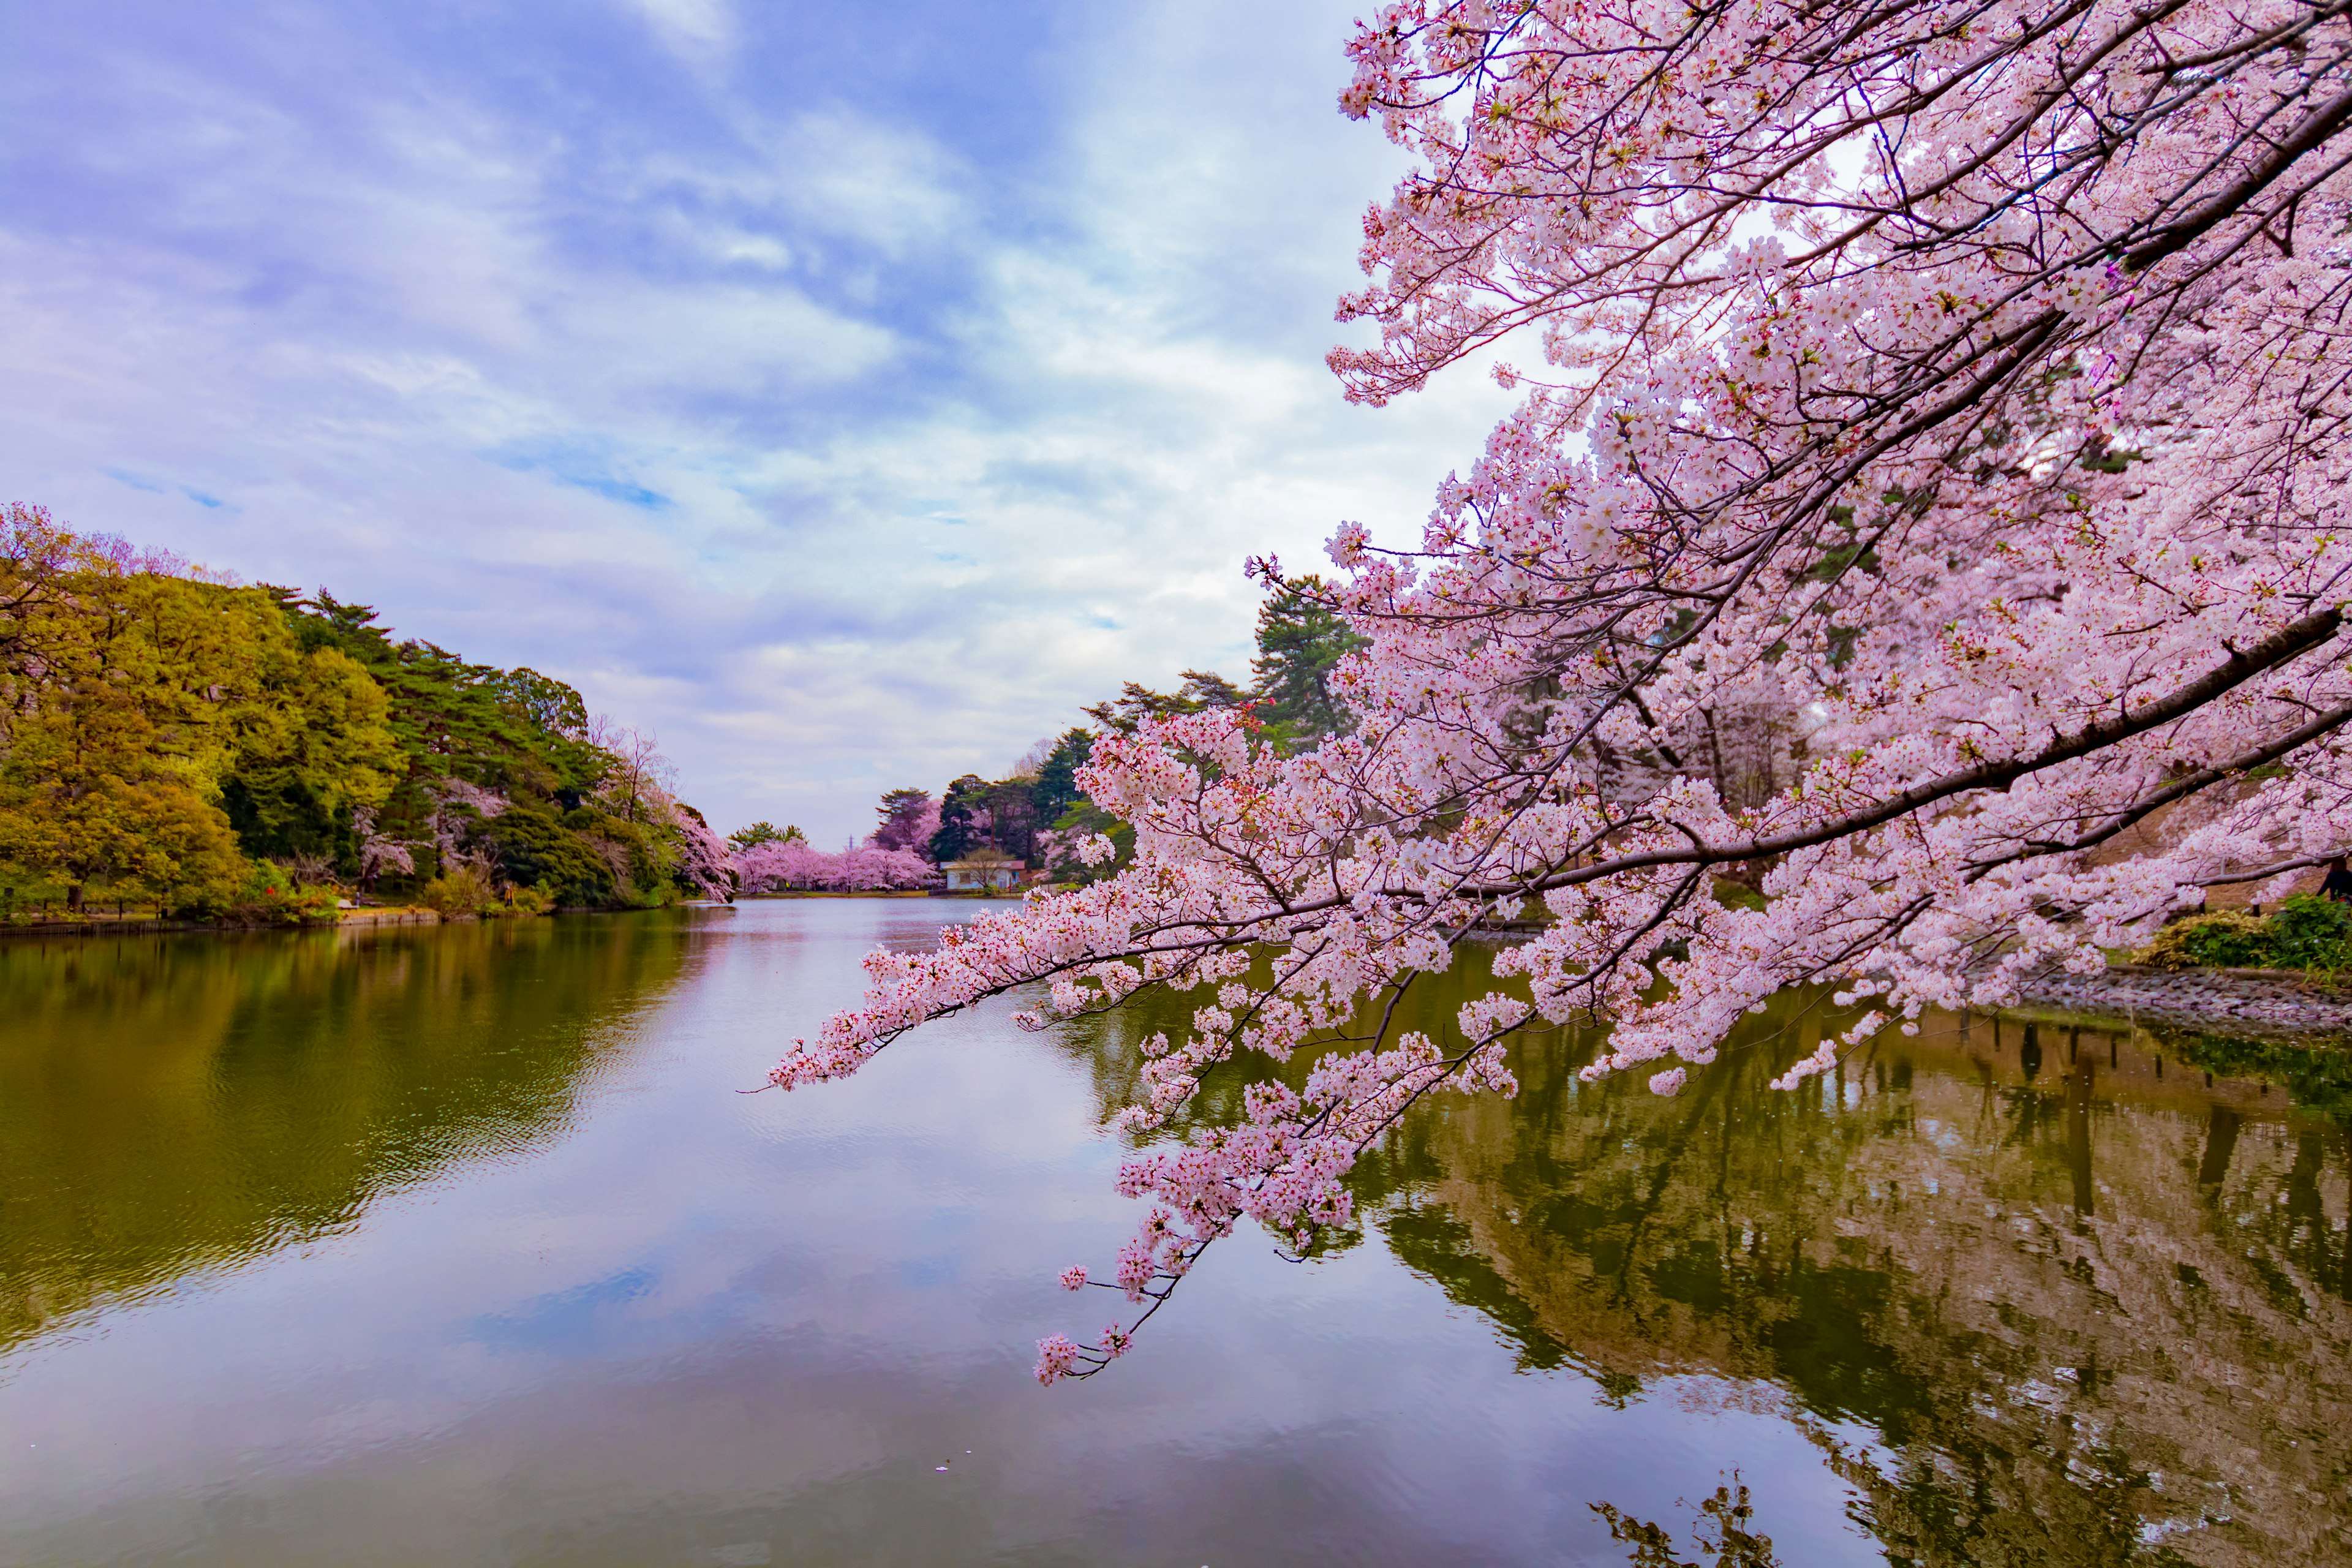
(705,858)
(1950,399)
(794,864)
(1056,1356)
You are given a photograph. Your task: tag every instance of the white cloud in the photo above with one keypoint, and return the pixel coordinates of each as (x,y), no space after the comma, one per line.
(695,28)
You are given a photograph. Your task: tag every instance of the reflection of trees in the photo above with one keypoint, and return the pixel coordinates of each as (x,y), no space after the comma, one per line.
(167,1106)
(1721,1534)
(2091,1309)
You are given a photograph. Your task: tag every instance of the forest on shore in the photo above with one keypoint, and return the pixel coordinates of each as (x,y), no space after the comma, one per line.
(979,833)
(174,741)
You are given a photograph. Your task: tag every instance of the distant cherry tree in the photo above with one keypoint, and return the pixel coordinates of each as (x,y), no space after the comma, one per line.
(1965,379)
(704,859)
(791,865)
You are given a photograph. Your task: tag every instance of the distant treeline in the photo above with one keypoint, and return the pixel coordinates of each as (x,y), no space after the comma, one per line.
(169,738)
(1028,826)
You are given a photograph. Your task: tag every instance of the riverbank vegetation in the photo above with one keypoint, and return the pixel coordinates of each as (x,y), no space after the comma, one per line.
(174,740)
(2305,931)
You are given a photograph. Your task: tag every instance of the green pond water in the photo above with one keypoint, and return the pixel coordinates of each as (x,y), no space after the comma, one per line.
(461,1246)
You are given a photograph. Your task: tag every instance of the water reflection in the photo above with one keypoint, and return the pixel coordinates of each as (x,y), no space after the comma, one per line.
(1723,1533)
(186,1102)
(2036,1298)
(496,1266)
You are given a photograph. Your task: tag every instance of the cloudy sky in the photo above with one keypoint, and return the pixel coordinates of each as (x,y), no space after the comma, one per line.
(846,393)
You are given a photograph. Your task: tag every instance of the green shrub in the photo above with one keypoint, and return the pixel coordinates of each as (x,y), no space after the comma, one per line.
(523,901)
(460,891)
(2308,931)
(2227,940)
(268,897)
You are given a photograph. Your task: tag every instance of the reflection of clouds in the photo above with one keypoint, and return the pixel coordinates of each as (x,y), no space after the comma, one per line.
(564,1322)
(645,344)
(783,1312)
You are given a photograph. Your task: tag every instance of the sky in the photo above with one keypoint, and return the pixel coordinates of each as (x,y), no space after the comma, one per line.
(847,395)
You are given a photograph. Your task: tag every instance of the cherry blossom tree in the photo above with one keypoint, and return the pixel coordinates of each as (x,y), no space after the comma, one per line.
(1964,380)
(705,859)
(792,864)
(873,867)
(779,865)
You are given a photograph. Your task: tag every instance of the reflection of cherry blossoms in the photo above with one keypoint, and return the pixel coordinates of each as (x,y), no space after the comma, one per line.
(1967,379)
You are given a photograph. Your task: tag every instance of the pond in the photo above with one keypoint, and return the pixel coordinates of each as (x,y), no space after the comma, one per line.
(460,1245)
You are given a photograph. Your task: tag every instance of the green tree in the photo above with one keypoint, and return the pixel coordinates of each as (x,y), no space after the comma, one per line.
(536,848)
(314,748)
(1055,788)
(1203,689)
(157,726)
(504,730)
(1300,640)
(142,690)
(760,833)
(959,831)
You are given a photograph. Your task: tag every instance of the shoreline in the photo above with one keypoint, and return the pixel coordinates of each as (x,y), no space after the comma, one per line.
(2275,1002)
(370,919)
(412,915)
(139,925)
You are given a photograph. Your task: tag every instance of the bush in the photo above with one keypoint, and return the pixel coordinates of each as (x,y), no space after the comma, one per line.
(2227,940)
(523,901)
(268,897)
(2308,931)
(460,891)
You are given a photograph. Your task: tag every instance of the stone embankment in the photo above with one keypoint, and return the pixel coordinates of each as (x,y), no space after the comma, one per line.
(399,917)
(2264,1001)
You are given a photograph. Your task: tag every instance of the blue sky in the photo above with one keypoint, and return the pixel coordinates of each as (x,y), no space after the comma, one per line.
(847,393)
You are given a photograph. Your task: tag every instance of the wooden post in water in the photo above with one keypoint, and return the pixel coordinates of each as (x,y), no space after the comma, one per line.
(2078,1135)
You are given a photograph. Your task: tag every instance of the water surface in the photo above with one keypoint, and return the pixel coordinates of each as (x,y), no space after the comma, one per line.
(457,1246)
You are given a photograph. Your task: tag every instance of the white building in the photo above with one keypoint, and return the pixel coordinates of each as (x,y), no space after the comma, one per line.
(983,869)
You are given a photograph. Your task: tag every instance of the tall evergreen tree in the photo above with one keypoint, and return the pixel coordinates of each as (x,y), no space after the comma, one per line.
(1300,640)
(1055,788)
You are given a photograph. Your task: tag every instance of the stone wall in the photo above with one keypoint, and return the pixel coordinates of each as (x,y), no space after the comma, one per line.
(2267,1000)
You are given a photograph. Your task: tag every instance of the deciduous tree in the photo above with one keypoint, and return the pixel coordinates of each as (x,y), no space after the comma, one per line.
(1969,376)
